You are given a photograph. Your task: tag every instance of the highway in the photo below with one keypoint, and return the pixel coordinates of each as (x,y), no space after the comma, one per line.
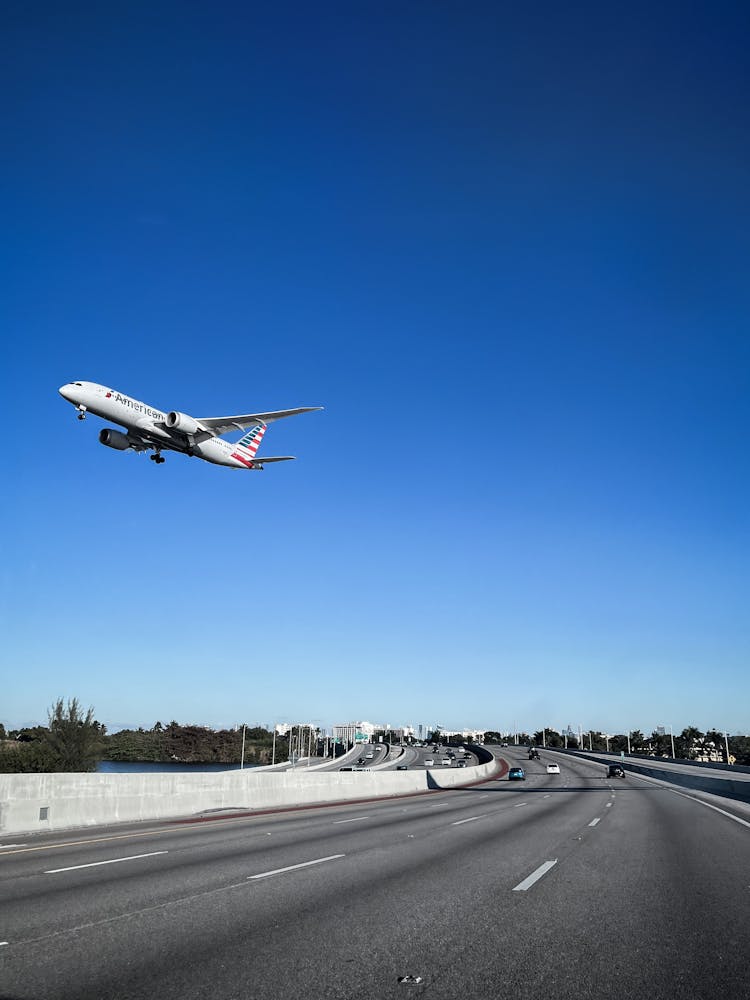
(566,886)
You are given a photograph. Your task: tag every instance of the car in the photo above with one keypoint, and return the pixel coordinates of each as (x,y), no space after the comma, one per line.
(462,763)
(429,762)
(447,760)
(370,755)
(402,767)
(615,771)
(553,768)
(516,774)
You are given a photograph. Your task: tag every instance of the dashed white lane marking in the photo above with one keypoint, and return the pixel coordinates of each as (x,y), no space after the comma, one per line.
(469,820)
(535,876)
(546,796)
(2,943)
(608,805)
(112,861)
(356,819)
(2,847)
(595,821)
(291,868)
(519,804)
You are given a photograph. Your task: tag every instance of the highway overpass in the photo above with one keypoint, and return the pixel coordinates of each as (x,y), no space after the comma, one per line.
(560,886)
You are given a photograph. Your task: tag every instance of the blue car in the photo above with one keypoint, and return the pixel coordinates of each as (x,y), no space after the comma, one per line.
(516,774)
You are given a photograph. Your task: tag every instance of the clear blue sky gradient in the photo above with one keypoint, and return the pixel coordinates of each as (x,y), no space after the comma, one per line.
(505,246)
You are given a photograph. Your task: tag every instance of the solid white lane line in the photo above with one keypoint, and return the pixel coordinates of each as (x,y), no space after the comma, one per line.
(112,861)
(742,822)
(356,819)
(291,868)
(595,821)
(535,876)
(469,820)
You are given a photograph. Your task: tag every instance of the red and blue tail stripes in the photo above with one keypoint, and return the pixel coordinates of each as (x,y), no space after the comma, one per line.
(244,450)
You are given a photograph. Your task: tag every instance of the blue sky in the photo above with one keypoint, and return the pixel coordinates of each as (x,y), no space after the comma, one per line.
(506,248)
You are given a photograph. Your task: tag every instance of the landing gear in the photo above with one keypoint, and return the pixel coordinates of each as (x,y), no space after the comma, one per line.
(81,412)
(157,458)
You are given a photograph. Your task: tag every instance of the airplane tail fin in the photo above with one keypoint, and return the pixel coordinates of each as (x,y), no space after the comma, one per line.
(247,446)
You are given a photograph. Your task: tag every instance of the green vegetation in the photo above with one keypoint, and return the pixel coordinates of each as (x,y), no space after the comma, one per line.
(193,745)
(74,741)
(71,741)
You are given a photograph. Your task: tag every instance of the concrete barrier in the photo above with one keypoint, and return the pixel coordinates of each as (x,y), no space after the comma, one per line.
(34,803)
(727,787)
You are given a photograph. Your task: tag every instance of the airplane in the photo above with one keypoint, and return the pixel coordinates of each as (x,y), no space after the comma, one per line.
(147,428)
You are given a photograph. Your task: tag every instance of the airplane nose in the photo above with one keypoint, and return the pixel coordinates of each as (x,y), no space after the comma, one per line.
(65,392)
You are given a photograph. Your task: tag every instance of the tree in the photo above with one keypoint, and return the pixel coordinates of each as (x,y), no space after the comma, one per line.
(688,743)
(714,740)
(74,738)
(637,741)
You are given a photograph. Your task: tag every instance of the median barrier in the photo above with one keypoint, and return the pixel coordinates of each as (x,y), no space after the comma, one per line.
(36,803)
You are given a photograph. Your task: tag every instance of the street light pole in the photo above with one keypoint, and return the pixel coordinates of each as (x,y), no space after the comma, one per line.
(242,756)
(671,736)
(726,744)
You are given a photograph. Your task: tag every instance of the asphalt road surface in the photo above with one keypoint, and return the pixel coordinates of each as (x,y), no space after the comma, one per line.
(562,886)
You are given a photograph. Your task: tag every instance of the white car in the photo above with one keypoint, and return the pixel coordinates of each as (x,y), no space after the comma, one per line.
(553,768)
(429,762)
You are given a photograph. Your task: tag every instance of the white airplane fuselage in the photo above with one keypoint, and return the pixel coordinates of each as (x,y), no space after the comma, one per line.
(148,427)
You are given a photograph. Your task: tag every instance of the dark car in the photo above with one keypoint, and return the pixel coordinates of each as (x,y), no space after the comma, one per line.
(615,771)
(516,774)
(402,767)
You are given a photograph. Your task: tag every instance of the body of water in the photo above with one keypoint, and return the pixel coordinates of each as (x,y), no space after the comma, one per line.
(150,767)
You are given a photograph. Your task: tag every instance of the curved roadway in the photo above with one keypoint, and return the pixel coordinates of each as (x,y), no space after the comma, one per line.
(565,886)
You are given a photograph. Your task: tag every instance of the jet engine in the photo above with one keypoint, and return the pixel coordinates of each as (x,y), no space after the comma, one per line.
(114,439)
(182,422)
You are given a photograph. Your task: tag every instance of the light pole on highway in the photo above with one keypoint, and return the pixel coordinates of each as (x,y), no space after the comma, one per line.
(726,744)
(242,755)
(671,736)
(628,743)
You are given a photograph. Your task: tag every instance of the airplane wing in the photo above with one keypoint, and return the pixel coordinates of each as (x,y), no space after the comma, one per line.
(273,458)
(221,425)
(143,442)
